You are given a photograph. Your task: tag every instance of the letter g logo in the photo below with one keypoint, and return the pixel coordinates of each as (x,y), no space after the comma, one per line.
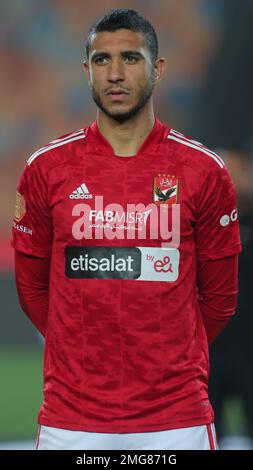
(234,215)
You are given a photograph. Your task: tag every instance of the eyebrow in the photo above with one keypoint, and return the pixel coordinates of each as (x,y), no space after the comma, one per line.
(123,54)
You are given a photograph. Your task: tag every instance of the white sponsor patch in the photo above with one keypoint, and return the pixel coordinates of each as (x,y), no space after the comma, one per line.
(159,264)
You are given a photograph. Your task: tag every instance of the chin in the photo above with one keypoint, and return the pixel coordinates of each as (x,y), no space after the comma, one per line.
(119,108)
(118,113)
(122,117)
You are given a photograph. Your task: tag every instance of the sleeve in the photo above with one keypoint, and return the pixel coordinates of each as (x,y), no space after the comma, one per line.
(32,282)
(217,232)
(32,230)
(217,290)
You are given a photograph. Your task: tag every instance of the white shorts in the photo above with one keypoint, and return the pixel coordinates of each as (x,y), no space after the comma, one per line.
(191,438)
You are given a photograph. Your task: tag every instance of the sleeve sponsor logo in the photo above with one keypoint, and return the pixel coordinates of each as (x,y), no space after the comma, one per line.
(20,207)
(136,263)
(22,228)
(225,219)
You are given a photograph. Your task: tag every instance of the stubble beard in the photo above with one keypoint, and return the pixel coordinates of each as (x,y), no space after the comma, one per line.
(144,96)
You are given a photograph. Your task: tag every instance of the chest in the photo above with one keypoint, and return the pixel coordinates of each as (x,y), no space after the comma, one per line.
(146,198)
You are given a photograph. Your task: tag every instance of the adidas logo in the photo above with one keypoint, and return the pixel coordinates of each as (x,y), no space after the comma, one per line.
(81,192)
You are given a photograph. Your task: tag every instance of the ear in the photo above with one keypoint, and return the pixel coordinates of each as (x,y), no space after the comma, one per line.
(86,69)
(160,66)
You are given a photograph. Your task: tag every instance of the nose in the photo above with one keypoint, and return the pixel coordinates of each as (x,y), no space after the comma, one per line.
(116,70)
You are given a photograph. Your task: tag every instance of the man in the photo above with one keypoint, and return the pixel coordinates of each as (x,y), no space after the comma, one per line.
(126,244)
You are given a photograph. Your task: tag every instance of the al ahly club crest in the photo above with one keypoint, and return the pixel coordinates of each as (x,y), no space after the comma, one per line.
(166,189)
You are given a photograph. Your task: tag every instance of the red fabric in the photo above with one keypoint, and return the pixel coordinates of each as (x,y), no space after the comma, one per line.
(32,280)
(125,353)
(217,290)
(217,293)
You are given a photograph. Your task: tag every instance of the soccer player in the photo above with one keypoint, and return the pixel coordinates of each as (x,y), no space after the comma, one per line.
(126,250)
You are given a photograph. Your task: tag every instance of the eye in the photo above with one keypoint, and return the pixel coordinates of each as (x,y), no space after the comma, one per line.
(101,60)
(131,59)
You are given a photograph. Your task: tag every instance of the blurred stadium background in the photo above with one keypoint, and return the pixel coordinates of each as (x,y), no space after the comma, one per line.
(43,94)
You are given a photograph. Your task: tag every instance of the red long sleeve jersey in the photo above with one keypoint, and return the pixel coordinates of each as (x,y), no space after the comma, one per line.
(125,344)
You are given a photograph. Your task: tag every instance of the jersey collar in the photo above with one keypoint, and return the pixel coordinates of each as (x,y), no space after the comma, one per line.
(99,142)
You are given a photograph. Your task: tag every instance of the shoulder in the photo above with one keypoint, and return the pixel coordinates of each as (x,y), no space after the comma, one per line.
(195,153)
(58,150)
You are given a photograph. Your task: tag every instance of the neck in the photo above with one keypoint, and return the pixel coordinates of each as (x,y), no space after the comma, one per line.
(127,138)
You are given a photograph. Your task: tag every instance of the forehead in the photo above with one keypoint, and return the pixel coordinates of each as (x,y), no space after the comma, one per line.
(122,39)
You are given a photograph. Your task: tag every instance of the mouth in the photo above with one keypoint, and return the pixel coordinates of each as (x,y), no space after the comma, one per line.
(116,94)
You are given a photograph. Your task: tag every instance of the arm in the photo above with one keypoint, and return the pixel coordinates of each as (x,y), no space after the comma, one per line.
(32,281)
(32,235)
(217,282)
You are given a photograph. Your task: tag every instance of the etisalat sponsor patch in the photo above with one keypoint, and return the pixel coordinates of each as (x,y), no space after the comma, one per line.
(136,263)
